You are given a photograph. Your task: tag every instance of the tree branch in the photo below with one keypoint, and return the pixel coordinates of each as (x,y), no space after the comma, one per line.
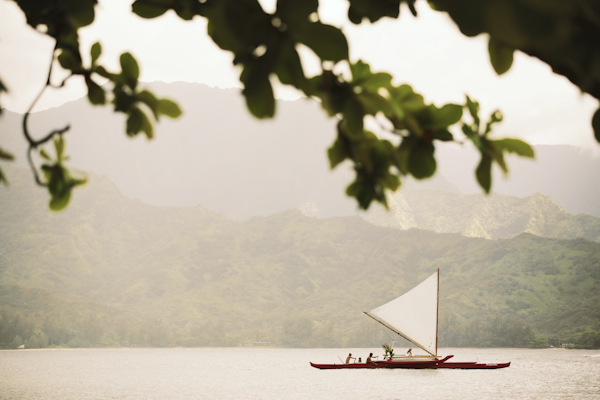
(33,143)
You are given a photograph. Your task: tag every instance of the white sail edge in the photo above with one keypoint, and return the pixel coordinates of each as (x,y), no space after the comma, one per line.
(382,322)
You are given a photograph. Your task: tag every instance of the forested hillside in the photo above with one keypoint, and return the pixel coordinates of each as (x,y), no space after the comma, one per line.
(112,271)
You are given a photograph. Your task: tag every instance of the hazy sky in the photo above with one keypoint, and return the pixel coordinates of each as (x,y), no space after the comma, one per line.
(427,52)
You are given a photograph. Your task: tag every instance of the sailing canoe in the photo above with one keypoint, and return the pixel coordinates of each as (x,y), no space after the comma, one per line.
(414,316)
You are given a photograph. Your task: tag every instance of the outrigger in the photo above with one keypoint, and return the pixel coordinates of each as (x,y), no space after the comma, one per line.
(413,316)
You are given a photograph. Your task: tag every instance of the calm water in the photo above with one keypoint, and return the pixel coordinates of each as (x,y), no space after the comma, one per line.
(167,374)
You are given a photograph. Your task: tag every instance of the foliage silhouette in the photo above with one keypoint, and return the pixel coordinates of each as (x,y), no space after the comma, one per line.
(562,34)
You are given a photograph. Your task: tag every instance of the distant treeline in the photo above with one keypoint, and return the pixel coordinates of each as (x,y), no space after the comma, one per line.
(90,330)
(508,332)
(17,329)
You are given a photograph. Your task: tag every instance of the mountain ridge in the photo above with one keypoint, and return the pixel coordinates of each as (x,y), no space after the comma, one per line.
(492,217)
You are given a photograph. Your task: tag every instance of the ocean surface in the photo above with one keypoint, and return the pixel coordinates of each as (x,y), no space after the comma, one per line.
(254,373)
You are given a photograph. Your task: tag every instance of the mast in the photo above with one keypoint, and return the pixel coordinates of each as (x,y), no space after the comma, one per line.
(437,317)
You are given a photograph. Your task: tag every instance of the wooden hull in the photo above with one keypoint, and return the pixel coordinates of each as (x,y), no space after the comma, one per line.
(473,365)
(425,364)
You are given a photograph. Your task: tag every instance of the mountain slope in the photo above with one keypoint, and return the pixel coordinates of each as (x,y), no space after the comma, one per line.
(197,271)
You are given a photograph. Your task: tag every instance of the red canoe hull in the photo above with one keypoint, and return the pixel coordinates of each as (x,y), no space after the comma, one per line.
(425,364)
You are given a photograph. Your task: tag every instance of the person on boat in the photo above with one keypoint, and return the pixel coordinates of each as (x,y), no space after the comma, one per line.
(350,358)
(388,349)
(369,359)
(409,352)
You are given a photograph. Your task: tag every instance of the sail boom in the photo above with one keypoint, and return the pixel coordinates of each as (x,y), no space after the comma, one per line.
(400,334)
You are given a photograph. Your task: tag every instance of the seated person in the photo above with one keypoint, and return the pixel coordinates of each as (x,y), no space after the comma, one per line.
(369,360)
(350,358)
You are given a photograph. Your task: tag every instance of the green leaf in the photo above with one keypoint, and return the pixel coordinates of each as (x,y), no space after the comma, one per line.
(239,25)
(258,92)
(443,135)
(169,108)
(188,9)
(139,121)
(473,108)
(421,162)
(515,146)
(501,56)
(494,118)
(407,99)
(404,152)
(296,11)
(5,155)
(60,184)
(373,103)
(151,8)
(2,89)
(333,92)
(147,126)
(376,81)
(96,94)
(3,179)
(391,182)
(70,60)
(337,153)
(44,155)
(411,7)
(134,122)
(59,146)
(59,202)
(79,13)
(360,71)
(123,101)
(484,173)
(289,68)
(130,68)
(95,52)
(373,10)
(497,155)
(446,116)
(362,191)
(468,131)
(596,125)
(150,100)
(354,116)
(353,189)
(328,42)
(57,180)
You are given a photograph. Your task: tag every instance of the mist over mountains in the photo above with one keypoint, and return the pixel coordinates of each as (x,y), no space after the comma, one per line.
(219,157)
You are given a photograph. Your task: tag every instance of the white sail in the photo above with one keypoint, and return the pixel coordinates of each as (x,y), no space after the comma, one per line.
(414,315)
